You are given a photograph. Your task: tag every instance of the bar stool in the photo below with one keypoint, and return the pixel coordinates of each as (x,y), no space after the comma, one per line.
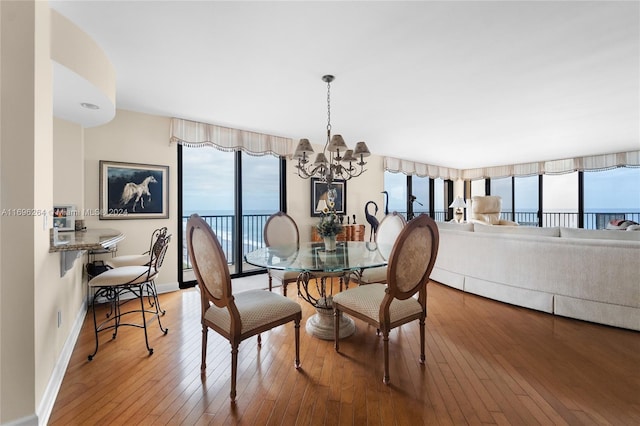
(135,280)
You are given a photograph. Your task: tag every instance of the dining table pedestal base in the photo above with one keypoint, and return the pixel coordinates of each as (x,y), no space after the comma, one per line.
(321,324)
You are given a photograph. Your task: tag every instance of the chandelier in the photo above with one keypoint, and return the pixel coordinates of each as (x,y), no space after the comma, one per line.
(336,161)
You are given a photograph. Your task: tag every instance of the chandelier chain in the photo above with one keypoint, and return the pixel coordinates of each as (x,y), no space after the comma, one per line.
(328,107)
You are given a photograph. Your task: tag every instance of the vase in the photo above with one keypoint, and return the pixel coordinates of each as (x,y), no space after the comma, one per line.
(330,243)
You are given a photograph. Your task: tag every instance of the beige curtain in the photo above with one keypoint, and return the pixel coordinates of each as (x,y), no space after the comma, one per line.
(568,165)
(396,165)
(193,133)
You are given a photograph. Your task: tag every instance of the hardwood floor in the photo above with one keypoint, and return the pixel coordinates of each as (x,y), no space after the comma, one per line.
(487,363)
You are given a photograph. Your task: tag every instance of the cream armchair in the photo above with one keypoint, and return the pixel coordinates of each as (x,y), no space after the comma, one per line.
(485,210)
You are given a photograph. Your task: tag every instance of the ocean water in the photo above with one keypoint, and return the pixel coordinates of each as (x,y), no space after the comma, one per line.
(223,224)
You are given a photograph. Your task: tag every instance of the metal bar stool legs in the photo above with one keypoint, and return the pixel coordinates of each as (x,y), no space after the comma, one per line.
(113,319)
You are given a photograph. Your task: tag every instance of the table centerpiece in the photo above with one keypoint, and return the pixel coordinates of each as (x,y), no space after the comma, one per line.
(329,226)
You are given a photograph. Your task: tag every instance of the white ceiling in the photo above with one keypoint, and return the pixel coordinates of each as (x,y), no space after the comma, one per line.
(457,84)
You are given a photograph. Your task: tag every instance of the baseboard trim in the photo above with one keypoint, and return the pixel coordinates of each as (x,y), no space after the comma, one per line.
(31,420)
(55,381)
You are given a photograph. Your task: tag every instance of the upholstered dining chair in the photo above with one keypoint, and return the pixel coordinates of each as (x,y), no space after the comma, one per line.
(237,316)
(389,306)
(281,229)
(388,230)
(137,280)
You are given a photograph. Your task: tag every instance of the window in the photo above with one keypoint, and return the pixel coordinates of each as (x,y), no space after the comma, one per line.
(211,188)
(478,188)
(208,190)
(526,200)
(611,194)
(439,205)
(420,189)
(396,186)
(502,188)
(260,199)
(560,200)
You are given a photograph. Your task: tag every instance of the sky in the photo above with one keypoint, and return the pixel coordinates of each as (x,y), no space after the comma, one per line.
(208,182)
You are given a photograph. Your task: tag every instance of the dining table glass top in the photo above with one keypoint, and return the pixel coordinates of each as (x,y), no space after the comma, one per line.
(312,257)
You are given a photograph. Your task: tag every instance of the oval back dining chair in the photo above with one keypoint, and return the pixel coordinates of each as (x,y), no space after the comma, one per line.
(238,316)
(388,230)
(389,306)
(280,229)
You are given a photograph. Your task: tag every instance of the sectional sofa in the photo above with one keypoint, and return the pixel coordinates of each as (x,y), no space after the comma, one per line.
(591,275)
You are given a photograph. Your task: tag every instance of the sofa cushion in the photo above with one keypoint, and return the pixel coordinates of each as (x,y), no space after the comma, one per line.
(599,234)
(455,226)
(553,231)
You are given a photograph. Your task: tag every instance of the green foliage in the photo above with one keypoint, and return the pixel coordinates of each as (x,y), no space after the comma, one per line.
(329,224)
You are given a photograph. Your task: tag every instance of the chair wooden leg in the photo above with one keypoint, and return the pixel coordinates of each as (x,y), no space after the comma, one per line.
(234,370)
(203,365)
(422,330)
(270,282)
(297,334)
(385,340)
(284,288)
(259,340)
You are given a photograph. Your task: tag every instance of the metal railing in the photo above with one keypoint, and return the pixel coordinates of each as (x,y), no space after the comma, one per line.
(224,227)
(592,220)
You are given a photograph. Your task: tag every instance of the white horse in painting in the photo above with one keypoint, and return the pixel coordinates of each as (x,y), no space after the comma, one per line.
(137,190)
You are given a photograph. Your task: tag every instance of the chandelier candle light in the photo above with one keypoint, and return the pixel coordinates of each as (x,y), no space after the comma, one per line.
(341,159)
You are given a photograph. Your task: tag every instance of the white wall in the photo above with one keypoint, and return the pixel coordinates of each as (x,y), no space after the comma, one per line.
(134,138)
(25,185)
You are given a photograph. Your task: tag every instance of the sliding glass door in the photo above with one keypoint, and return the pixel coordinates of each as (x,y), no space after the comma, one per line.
(235,193)
(260,199)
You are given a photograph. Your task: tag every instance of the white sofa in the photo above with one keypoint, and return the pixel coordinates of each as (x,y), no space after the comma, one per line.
(592,275)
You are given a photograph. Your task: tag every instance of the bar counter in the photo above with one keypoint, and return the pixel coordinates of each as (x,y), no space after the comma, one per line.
(91,239)
(71,245)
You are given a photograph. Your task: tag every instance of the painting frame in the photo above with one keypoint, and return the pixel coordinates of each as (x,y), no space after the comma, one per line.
(133,191)
(318,191)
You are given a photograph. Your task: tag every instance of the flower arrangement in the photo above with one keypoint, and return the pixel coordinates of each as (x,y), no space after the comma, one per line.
(329,224)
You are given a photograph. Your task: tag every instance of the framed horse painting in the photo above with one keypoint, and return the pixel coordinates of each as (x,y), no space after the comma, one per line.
(133,191)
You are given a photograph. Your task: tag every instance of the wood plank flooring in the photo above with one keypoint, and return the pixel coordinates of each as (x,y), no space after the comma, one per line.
(487,363)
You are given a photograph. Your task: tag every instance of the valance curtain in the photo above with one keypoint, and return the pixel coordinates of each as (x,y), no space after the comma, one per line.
(396,165)
(569,165)
(195,134)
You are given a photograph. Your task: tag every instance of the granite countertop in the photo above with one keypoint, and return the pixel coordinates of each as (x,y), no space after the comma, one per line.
(91,239)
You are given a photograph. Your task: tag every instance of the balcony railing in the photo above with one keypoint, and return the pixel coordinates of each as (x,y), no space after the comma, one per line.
(225,228)
(592,220)
(253,224)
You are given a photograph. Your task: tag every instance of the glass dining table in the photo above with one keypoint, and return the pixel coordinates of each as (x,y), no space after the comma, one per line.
(315,266)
